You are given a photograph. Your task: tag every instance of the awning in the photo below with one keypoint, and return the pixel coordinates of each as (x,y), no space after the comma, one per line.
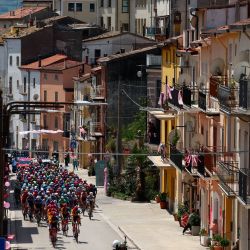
(160,115)
(159,163)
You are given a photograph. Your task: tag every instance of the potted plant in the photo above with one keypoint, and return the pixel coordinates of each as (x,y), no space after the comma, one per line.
(217,242)
(182,209)
(224,243)
(163,200)
(204,237)
(195,221)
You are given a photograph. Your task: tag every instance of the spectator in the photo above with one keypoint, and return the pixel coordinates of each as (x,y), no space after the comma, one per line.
(75,163)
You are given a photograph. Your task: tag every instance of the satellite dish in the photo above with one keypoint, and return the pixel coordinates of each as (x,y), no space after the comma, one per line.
(190,126)
(241,69)
(201,82)
(217,67)
(35,97)
(197,141)
(184,79)
(174,136)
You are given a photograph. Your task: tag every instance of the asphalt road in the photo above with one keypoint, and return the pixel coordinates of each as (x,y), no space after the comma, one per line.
(95,234)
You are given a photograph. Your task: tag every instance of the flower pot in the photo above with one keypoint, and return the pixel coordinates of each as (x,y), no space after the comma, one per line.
(204,239)
(195,230)
(163,204)
(218,248)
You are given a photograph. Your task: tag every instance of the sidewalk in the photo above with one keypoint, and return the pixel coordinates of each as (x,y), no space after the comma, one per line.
(148,226)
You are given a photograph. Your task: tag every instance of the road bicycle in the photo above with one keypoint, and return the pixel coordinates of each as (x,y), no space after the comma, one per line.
(76,231)
(65,227)
(53,236)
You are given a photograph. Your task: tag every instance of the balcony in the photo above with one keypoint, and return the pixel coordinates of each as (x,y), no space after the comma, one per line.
(95,129)
(228,173)
(202,101)
(98,94)
(66,134)
(151,31)
(227,98)
(244,185)
(244,94)
(215,82)
(176,157)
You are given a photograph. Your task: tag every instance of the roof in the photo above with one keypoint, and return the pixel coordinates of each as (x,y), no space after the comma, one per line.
(44,62)
(21,12)
(171,40)
(126,54)
(112,34)
(82,78)
(62,65)
(244,22)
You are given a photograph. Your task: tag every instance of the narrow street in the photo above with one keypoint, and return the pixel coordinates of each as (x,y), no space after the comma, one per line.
(151,229)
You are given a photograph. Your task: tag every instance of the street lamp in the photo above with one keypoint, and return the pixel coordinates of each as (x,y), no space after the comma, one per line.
(22,107)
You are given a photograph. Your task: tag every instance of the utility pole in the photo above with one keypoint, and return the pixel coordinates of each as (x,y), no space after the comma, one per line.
(118,136)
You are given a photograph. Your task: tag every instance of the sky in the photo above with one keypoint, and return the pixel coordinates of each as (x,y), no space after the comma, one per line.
(7,5)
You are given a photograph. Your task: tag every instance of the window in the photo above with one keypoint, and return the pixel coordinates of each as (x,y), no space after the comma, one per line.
(109,22)
(56,96)
(56,122)
(101,21)
(17,84)
(102,3)
(79,7)
(17,61)
(24,85)
(10,60)
(92,7)
(55,146)
(45,95)
(56,77)
(45,121)
(124,6)
(109,3)
(71,7)
(10,85)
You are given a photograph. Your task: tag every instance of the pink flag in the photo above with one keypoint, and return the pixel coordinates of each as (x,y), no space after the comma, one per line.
(180,101)
(162,99)
(169,94)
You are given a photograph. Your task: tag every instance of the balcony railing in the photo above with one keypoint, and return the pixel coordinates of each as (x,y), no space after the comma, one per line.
(151,31)
(98,93)
(228,173)
(244,94)
(227,98)
(244,185)
(202,101)
(95,129)
(176,157)
(214,83)
(186,93)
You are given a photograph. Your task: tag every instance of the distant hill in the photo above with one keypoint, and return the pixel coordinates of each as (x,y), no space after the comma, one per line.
(7,5)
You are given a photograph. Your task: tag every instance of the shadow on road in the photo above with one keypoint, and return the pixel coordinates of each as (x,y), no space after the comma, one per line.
(23,234)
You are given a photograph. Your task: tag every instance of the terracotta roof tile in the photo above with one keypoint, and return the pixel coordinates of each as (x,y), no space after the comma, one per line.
(21,12)
(44,62)
(62,65)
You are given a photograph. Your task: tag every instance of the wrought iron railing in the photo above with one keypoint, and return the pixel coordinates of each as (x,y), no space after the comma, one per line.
(244,185)
(214,83)
(228,173)
(202,101)
(244,94)
(176,157)
(227,98)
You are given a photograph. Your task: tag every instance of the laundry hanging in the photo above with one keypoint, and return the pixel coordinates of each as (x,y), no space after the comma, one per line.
(180,100)
(169,94)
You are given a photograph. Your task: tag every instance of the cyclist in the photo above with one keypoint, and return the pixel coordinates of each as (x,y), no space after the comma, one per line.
(76,216)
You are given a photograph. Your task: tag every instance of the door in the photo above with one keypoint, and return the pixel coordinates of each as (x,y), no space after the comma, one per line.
(97,54)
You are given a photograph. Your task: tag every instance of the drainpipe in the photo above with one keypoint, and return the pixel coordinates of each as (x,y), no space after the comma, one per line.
(192,10)
(116,16)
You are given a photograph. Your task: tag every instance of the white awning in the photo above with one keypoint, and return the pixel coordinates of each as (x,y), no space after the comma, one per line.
(160,115)
(157,161)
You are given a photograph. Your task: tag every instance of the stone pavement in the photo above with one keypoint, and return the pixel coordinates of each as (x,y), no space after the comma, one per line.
(148,226)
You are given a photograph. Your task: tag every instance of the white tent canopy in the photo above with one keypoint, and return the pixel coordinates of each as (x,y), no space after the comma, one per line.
(41,131)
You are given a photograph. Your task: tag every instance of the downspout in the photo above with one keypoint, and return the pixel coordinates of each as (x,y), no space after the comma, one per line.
(192,10)
(117,15)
